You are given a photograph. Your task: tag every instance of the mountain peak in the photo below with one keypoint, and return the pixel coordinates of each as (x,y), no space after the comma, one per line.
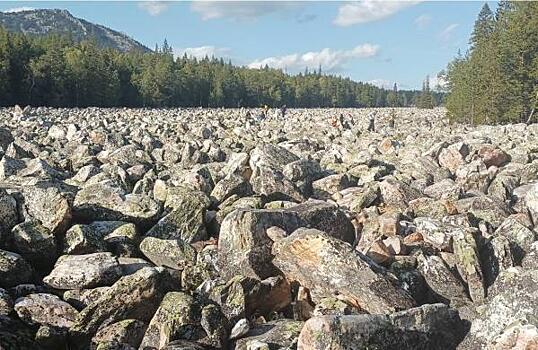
(61,21)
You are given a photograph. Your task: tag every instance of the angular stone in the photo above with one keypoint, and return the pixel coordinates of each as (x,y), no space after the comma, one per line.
(426,327)
(101,201)
(397,194)
(230,185)
(128,331)
(49,206)
(84,271)
(168,252)
(443,283)
(282,334)
(35,243)
(14,270)
(6,303)
(453,156)
(177,317)
(45,309)
(436,233)
(326,265)
(9,215)
(273,185)
(136,296)
(468,264)
(492,156)
(245,248)
(80,298)
(271,156)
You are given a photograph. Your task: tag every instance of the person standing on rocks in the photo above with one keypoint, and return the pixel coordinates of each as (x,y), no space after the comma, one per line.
(371,122)
(283,110)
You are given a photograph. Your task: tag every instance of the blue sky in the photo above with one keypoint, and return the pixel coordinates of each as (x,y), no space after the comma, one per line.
(376,41)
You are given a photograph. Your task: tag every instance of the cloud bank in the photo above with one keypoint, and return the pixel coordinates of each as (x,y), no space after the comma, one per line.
(154,8)
(203,51)
(368,11)
(241,10)
(330,60)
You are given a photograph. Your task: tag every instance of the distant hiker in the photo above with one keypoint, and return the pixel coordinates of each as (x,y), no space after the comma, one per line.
(283,110)
(371,122)
(391,119)
(265,110)
(334,121)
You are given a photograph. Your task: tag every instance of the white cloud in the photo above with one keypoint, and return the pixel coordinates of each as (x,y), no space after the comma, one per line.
(368,11)
(19,9)
(423,21)
(382,83)
(241,10)
(154,8)
(437,83)
(330,60)
(446,34)
(203,51)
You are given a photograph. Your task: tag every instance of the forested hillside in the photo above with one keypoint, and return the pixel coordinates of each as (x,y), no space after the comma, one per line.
(496,81)
(55,71)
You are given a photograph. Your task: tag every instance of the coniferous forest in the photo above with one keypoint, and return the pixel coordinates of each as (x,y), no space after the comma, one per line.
(496,81)
(56,71)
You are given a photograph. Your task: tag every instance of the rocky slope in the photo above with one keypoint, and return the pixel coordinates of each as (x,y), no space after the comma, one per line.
(211,229)
(47,21)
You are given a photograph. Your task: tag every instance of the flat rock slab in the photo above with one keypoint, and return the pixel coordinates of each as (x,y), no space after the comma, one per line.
(45,309)
(84,271)
(326,265)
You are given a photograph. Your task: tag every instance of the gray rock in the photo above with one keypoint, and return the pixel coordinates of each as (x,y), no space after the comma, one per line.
(84,271)
(326,265)
(171,253)
(35,243)
(45,309)
(136,296)
(14,270)
(102,201)
(426,327)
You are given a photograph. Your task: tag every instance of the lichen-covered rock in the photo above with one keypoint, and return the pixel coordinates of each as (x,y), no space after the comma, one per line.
(35,243)
(6,303)
(171,253)
(453,156)
(45,309)
(243,297)
(84,271)
(80,298)
(446,287)
(469,265)
(129,331)
(97,236)
(102,201)
(326,265)
(14,270)
(230,185)
(9,215)
(513,300)
(136,296)
(185,222)
(426,327)
(274,186)
(245,248)
(177,317)
(281,334)
(48,205)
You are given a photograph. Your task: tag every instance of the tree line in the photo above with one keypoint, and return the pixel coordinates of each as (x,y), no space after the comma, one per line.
(496,81)
(57,71)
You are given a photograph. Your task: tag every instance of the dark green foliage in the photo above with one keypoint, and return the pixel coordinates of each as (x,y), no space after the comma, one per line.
(497,80)
(59,71)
